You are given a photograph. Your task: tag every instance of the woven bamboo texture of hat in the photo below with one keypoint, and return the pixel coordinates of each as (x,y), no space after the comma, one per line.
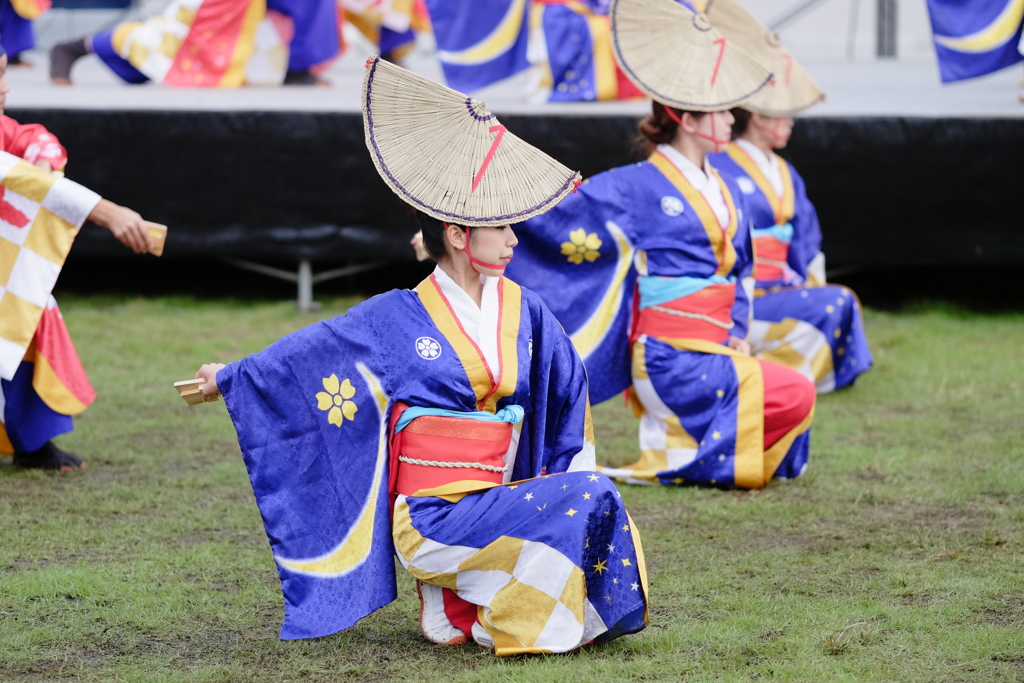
(446,155)
(792,89)
(675,56)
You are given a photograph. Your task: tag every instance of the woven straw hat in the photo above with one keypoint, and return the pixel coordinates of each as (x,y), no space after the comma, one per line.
(792,89)
(790,92)
(446,155)
(677,57)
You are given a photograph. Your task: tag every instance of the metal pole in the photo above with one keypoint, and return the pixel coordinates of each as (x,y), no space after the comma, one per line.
(886,30)
(851,32)
(305,286)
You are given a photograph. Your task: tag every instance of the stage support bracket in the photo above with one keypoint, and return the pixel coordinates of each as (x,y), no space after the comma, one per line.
(303,276)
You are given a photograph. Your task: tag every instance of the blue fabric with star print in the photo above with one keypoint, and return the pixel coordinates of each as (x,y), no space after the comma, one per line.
(578,514)
(312,414)
(832,310)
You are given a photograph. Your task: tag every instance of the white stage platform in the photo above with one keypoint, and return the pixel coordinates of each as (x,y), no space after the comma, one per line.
(871,88)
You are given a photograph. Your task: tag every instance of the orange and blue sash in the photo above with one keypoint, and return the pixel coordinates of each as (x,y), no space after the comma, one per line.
(685,307)
(431,447)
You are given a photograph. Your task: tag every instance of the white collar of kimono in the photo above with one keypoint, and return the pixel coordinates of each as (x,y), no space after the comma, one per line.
(703,180)
(479,322)
(767,162)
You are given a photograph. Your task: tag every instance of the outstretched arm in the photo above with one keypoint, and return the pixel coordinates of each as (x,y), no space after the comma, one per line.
(127,225)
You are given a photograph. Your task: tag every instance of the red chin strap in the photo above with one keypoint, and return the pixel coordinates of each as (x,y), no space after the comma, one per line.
(675,117)
(777,140)
(473,261)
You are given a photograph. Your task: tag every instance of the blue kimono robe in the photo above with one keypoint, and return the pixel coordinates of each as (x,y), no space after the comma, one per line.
(701,404)
(799,320)
(312,413)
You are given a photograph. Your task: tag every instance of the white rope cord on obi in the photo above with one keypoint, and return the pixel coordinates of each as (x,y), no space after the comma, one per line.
(771,262)
(695,316)
(467,465)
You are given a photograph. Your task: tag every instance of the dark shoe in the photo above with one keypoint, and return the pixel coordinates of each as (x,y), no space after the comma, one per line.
(16,60)
(304,78)
(63,57)
(49,457)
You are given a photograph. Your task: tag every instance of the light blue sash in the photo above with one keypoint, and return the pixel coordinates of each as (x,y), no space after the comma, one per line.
(513,414)
(660,290)
(783,233)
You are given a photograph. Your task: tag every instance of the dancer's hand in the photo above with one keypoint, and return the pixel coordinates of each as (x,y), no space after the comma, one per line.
(209,373)
(739,345)
(127,226)
(417,245)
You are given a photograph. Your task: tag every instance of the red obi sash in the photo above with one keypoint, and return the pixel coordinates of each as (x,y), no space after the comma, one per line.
(771,256)
(434,450)
(706,314)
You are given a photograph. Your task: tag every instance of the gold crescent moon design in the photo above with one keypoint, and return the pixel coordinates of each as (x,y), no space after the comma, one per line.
(590,335)
(355,547)
(992,36)
(497,42)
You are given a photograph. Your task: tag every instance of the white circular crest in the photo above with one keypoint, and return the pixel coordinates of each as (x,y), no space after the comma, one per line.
(672,206)
(428,348)
(746,185)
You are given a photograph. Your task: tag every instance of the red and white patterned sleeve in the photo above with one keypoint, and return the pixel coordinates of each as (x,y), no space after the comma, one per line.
(32,142)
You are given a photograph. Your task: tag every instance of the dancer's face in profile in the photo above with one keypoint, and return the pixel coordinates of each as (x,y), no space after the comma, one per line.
(4,87)
(776,129)
(488,246)
(711,131)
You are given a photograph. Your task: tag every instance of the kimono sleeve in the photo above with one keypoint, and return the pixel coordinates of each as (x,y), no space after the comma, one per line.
(559,433)
(579,258)
(33,143)
(743,271)
(311,416)
(806,243)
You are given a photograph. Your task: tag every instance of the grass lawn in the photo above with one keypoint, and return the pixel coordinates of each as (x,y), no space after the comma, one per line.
(899,556)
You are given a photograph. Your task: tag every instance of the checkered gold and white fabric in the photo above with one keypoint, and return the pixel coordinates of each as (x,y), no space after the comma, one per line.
(796,344)
(39,218)
(552,563)
(152,46)
(269,61)
(530,594)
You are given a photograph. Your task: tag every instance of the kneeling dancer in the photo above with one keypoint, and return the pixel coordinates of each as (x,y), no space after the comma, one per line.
(665,245)
(449,423)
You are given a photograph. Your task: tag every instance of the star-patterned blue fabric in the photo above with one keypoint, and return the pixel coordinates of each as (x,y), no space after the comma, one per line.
(312,411)
(579,514)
